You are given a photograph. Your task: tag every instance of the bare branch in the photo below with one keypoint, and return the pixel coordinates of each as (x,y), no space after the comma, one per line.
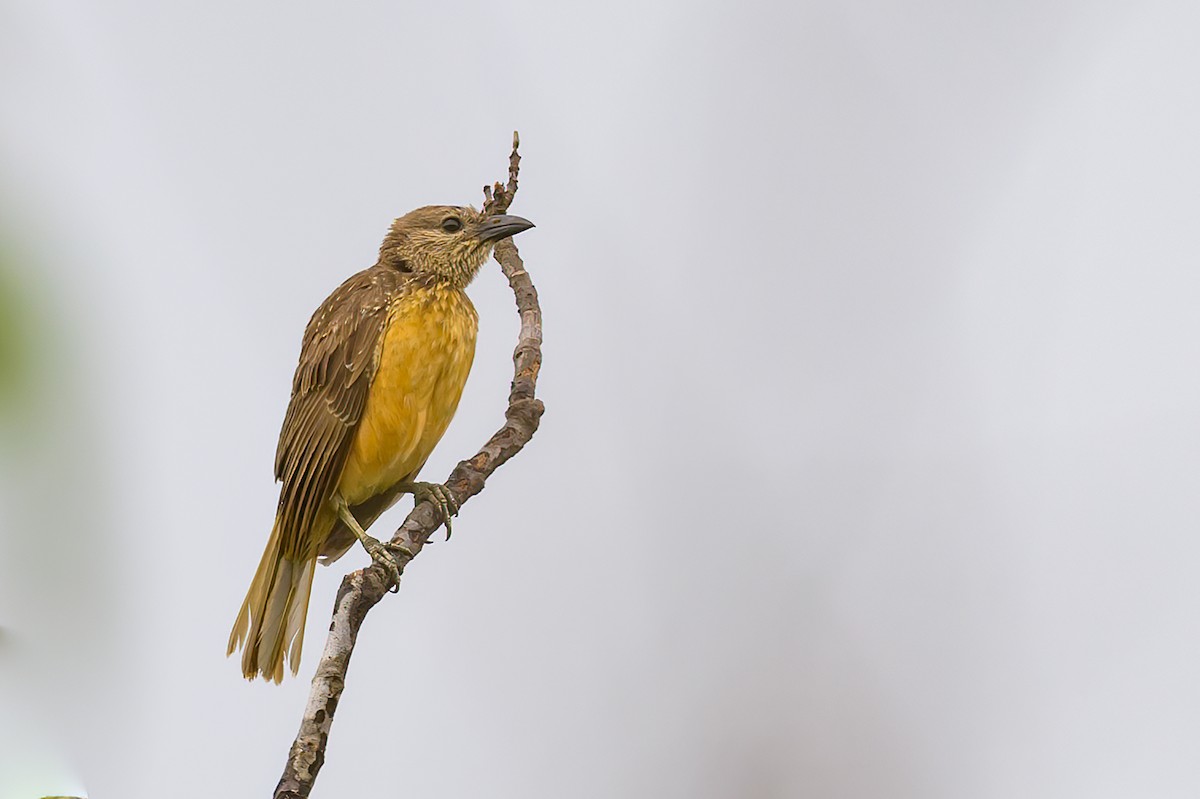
(361,590)
(497,199)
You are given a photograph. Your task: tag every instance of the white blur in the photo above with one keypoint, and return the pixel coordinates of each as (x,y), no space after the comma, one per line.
(871,458)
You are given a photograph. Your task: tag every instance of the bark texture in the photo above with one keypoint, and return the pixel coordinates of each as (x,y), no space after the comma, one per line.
(361,590)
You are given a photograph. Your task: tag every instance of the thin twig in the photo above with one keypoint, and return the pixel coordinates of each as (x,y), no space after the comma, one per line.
(361,590)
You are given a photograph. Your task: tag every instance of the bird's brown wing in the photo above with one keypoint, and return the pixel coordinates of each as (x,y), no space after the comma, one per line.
(338,359)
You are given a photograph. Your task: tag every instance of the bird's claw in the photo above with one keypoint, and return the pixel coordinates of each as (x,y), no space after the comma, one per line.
(381,555)
(442,499)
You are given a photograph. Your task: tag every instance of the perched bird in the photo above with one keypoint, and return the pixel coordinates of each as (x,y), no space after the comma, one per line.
(382,367)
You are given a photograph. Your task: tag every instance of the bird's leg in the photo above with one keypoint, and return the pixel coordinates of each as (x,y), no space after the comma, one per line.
(438,494)
(380,553)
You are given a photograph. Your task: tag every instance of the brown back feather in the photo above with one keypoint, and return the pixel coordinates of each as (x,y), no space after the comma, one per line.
(338,359)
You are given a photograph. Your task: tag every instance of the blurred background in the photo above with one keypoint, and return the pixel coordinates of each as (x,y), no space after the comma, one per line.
(870,459)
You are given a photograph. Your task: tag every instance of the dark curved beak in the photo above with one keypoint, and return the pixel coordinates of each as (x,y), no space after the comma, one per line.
(495,228)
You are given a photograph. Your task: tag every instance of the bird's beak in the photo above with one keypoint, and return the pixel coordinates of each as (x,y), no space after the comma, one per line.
(495,228)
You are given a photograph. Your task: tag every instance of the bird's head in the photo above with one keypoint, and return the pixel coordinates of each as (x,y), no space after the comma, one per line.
(448,240)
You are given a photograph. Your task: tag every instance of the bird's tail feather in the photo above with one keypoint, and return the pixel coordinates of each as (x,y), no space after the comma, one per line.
(270,625)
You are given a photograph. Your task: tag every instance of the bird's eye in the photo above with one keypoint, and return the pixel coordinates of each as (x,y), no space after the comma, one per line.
(451,224)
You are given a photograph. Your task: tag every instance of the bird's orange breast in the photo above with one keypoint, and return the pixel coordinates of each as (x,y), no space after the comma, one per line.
(425,356)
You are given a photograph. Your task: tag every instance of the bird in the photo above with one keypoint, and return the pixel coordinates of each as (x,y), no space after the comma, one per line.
(383,362)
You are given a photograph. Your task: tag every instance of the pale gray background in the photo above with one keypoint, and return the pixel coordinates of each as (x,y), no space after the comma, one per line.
(870,460)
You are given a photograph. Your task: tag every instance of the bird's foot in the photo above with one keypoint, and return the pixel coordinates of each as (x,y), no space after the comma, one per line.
(441,497)
(384,556)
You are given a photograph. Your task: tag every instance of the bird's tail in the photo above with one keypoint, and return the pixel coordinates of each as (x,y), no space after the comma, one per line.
(270,624)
